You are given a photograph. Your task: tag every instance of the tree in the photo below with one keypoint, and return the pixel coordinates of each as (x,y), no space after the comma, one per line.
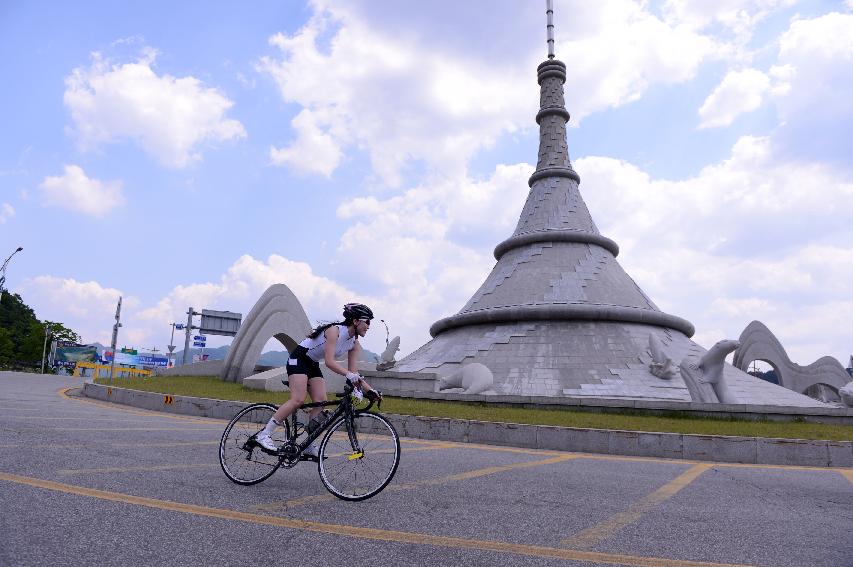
(59,332)
(22,335)
(30,348)
(7,347)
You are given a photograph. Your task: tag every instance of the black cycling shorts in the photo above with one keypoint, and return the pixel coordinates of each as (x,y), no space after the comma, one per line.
(300,363)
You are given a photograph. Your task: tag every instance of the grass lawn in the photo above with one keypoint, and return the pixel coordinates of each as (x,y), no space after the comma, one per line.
(211,387)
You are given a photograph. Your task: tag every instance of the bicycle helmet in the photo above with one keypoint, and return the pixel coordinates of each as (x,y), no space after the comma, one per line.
(357,311)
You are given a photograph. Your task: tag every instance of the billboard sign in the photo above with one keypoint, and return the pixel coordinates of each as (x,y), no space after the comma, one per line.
(137,359)
(152,360)
(69,354)
(220,322)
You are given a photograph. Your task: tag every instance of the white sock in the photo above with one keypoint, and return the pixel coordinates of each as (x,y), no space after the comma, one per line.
(271,425)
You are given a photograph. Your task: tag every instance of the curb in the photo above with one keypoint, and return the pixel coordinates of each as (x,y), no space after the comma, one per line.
(714,448)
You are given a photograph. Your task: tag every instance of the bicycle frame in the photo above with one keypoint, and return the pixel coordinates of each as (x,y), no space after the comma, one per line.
(344,408)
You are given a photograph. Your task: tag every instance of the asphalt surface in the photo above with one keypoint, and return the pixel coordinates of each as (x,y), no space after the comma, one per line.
(92,483)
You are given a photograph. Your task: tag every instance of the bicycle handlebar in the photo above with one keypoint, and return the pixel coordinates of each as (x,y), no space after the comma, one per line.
(348,388)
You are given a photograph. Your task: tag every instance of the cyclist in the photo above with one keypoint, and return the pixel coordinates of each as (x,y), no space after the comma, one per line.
(326,342)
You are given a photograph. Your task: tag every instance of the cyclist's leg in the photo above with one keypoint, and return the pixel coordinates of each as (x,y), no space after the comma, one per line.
(298,390)
(317,390)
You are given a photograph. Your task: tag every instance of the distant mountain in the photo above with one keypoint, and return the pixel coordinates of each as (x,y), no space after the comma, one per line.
(269,358)
(218,353)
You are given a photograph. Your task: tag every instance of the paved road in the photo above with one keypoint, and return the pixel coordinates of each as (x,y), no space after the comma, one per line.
(90,483)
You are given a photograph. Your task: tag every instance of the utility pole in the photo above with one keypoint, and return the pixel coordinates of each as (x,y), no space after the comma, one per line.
(189,331)
(44,348)
(115,338)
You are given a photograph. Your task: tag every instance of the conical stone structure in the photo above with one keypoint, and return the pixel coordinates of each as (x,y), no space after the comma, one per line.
(558,316)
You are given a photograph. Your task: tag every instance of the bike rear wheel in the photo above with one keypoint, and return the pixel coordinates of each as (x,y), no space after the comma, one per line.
(358,467)
(244,461)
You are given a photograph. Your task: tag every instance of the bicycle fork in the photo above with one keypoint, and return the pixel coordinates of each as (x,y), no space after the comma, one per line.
(357,452)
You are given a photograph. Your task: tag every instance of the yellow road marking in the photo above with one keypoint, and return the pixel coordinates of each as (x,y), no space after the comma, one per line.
(590,537)
(595,457)
(484,472)
(519,450)
(131,429)
(394,536)
(847,473)
(313,499)
(151,468)
(90,445)
(60,418)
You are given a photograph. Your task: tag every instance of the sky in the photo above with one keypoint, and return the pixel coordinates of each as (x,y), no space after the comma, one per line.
(195,153)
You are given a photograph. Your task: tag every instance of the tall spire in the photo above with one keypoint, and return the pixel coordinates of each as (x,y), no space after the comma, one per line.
(556,286)
(555,218)
(549,12)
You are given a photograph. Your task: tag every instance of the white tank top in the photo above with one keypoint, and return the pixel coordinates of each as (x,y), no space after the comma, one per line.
(316,347)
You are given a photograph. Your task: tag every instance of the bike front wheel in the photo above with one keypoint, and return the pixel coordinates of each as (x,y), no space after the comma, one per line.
(357,464)
(241,457)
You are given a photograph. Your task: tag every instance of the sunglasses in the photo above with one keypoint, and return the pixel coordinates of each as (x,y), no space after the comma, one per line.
(365,321)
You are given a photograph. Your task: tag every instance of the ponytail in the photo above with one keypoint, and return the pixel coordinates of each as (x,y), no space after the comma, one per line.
(321,328)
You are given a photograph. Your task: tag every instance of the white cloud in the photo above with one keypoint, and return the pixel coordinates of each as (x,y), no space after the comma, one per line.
(386,86)
(810,86)
(814,84)
(7,211)
(169,116)
(86,307)
(423,252)
(618,50)
(739,92)
(391,99)
(737,17)
(89,307)
(752,237)
(75,191)
(240,287)
(314,151)
(420,252)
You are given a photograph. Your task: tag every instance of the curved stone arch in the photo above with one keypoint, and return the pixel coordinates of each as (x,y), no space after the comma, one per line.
(757,342)
(831,387)
(772,365)
(278,314)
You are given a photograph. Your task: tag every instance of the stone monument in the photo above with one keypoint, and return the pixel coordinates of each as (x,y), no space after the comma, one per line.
(558,315)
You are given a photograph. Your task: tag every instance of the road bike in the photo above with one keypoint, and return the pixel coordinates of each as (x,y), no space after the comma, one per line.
(357,457)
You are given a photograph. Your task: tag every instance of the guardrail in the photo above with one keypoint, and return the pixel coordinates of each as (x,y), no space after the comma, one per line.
(97,368)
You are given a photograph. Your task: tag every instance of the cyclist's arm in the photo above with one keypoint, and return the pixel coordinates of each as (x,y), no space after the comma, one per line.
(353,356)
(352,361)
(329,352)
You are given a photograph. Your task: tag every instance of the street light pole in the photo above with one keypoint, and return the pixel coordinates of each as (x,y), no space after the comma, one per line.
(115,338)
(44,348)
(3,268)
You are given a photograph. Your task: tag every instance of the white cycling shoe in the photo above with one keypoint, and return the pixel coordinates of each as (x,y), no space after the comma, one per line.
(265,441)
(312,452)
